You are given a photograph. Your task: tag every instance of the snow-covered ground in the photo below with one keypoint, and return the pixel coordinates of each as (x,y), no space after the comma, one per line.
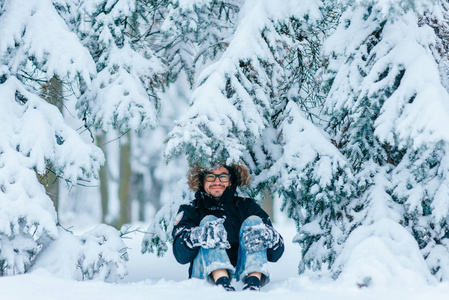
(151,277)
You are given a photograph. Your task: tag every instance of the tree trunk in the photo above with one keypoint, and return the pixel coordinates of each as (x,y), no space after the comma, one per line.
(145,196)
(104,180)
(156,191)
(52,93)
(124,181)
(139,189)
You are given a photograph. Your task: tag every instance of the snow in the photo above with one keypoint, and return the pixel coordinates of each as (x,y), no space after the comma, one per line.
(383,254)
(208,235)
(98,254)
(151,277)
(35,29)
(379,258)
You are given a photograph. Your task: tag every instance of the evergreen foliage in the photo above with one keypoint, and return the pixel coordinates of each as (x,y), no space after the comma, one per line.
(424,191)
(122,94)
(99,254)
(193,30)
(33,131)
(260,103)
(257,104)
(159,232)
(36,45)
(385,99)
(339,109)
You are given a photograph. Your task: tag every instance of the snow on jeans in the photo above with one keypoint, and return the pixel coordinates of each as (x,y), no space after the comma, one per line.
(209,260)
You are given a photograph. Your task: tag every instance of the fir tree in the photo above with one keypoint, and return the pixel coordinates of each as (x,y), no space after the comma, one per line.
(253,103)
(424,185)
(310,176)
(123,92)
(99,254)
(35,45)
(195,30)
(190,30)
(380,123)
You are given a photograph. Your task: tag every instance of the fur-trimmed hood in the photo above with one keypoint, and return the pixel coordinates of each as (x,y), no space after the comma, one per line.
(239,176)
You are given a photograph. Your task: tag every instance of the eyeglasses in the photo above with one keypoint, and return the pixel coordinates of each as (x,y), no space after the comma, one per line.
(210,177)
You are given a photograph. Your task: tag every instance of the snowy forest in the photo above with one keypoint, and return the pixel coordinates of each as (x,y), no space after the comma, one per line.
(340,110)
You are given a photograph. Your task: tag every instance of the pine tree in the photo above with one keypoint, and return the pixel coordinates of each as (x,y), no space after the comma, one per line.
(216,128)
(35,45)
(310,176)
(123,93)
(194,31)
(99,254)
(376,172)
(254,102)
(425,190)
(189,31)
(380,123)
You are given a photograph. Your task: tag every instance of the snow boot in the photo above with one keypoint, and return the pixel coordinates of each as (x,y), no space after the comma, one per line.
(225,283)
(252,283)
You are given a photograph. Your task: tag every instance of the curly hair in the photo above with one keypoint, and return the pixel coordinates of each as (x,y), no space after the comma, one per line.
(239,175)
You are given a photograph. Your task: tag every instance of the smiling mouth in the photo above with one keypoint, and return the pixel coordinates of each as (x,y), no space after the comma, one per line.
(216,186)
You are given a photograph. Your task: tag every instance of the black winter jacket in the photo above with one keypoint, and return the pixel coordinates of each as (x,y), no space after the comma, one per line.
(234,209)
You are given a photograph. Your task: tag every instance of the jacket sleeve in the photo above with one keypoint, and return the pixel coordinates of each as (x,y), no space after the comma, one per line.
(275,252)
(186,219)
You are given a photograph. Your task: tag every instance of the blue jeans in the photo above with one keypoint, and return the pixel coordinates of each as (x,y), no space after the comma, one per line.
(209,260)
